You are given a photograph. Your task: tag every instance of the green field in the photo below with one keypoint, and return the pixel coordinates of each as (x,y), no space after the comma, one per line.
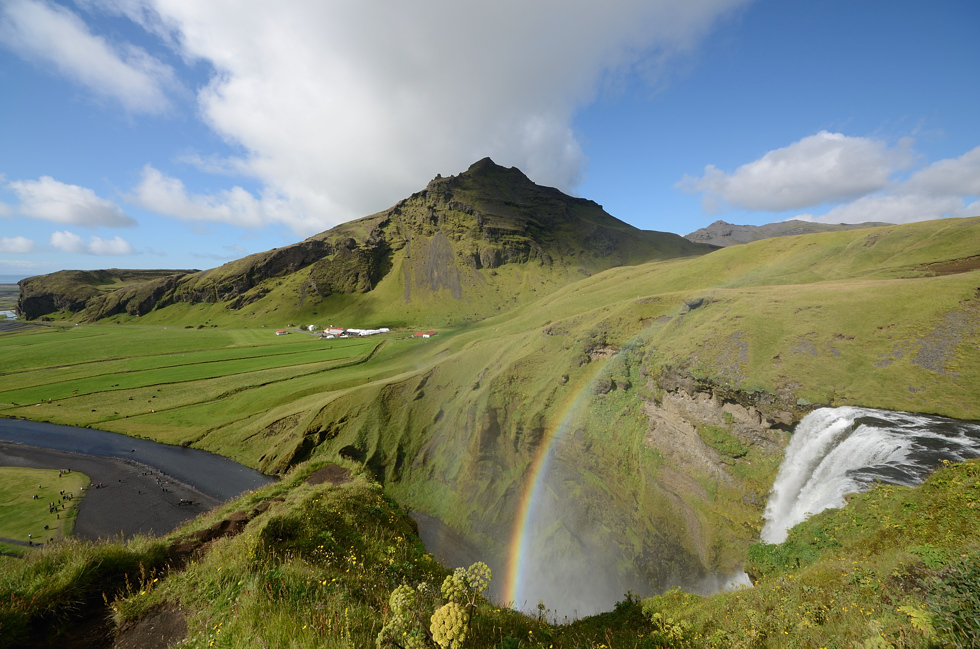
(22,515)
(8,296)
(141,381)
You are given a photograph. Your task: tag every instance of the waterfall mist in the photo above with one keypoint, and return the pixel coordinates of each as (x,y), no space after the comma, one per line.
(839,451)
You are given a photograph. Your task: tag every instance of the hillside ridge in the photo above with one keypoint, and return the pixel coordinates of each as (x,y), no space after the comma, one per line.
(444,243)
(721,233)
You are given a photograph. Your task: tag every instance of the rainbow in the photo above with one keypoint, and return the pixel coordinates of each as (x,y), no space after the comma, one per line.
(518,549)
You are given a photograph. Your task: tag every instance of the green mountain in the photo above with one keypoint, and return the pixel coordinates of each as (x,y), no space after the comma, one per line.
(464,248)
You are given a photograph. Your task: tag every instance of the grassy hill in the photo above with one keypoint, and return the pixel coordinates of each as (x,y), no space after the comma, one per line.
(464,248)
(659,393)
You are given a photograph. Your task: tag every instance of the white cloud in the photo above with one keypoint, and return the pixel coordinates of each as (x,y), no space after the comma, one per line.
(5,210)
(168,196)
(896,208)
(944,189)
(66,241)
(114,246)
(41,31)
(957,176)
(341,109)
(822,168)
(16,245)
(861,175)
(51,200)
(20,265)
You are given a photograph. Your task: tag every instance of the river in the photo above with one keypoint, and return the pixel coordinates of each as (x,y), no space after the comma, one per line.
(211,474)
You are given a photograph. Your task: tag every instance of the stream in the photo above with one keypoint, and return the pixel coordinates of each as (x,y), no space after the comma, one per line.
(211,474)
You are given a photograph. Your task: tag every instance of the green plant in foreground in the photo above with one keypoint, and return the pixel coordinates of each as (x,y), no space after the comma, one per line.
(448,626)
(669,630)
(954,599)
(450,623)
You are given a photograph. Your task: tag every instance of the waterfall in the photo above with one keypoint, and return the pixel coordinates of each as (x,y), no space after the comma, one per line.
(839,451)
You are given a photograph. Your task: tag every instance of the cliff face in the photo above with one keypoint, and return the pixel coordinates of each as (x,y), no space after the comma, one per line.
(75,290)
(447,240)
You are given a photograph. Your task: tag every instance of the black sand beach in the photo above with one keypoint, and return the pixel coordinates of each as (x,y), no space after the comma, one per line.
(135,499)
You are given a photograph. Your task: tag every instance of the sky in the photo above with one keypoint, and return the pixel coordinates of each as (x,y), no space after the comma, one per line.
(185,134)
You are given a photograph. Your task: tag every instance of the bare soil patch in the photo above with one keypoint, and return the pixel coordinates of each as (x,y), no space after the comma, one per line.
(333,474)
(162,628)
(961,265)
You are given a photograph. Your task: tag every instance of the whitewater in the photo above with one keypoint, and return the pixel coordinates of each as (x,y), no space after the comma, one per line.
(839,451)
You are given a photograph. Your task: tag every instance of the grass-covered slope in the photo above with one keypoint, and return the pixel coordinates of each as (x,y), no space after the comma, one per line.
(896,567)
(661,390)
(611,368)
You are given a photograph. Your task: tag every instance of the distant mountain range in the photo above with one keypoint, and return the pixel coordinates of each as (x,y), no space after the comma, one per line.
(721,233)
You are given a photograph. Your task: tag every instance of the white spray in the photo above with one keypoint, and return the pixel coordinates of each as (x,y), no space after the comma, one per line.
(839,451)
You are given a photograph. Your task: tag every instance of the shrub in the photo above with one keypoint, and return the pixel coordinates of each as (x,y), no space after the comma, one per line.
(954,599)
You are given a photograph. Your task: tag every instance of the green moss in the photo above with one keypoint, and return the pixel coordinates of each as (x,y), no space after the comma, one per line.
(722,441)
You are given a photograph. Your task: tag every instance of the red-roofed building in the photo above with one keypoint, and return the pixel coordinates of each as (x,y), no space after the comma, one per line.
(424,334)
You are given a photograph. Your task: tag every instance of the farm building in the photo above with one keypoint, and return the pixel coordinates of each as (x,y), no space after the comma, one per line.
(367,332)
(424,334)
(281,332)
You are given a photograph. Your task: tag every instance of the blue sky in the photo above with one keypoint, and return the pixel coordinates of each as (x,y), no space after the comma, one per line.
(168,134)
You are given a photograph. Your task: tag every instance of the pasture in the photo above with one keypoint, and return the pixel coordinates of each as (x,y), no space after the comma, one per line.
(8,296)
(22,515)
(179,385)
